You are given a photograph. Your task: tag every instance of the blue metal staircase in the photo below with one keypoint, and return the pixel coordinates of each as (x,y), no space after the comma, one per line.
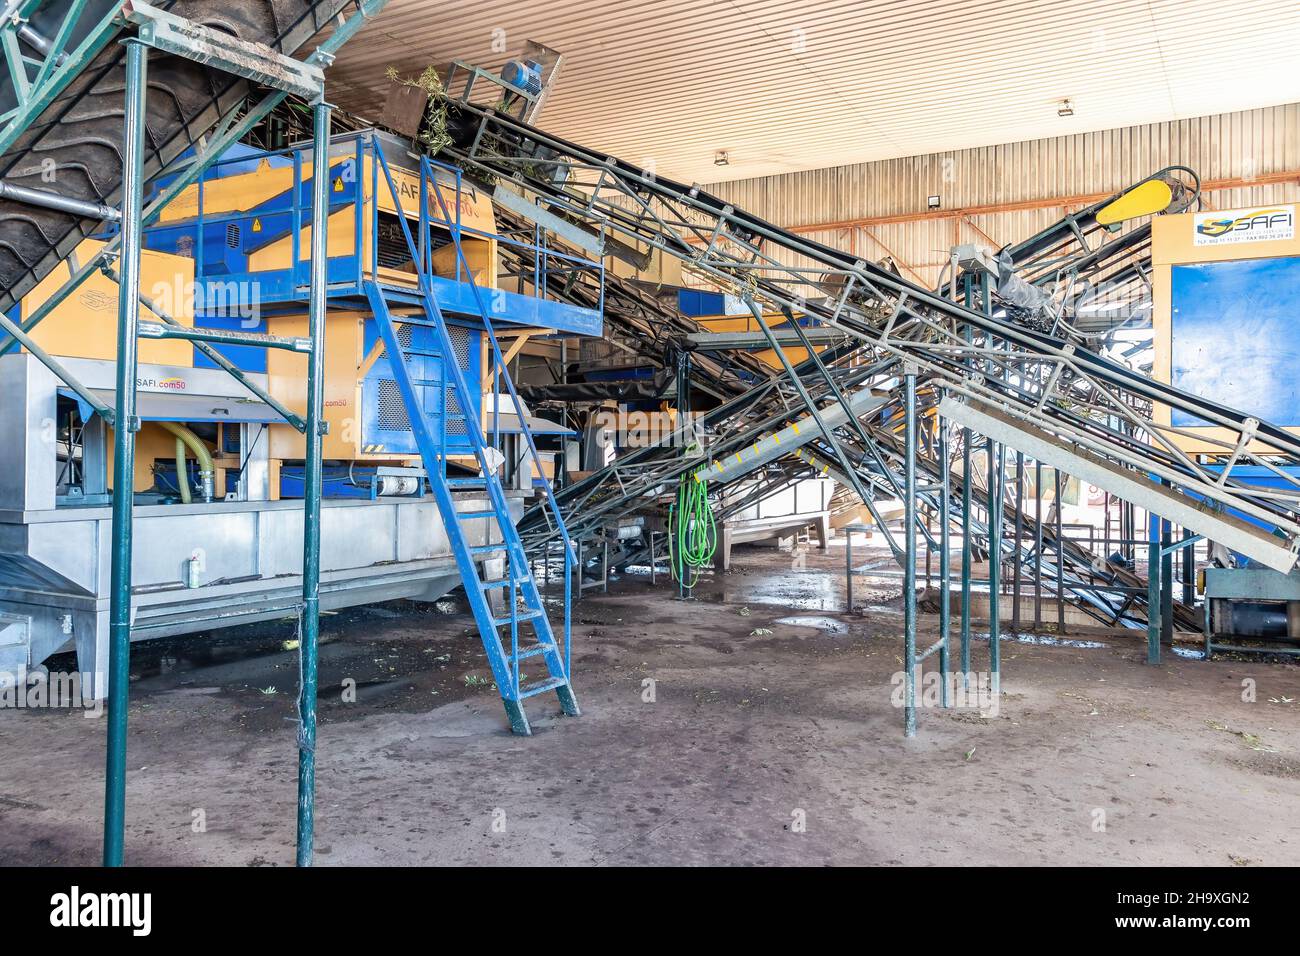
(515,634)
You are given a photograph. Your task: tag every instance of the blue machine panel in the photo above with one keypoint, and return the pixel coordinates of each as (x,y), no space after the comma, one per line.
(246,357)
(385,425)
(1235,330)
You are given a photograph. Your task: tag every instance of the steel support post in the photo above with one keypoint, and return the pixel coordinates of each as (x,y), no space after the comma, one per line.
(995,558)
(125,425)
(966,505)
(945,557)
(1153,589)
(848,568)
(1038,546)
(1060,551)
(309,640)
(1019,530)
(909,550)
(1166,583)
(995,523)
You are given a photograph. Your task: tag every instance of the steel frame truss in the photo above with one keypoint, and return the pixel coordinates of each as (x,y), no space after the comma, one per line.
(1047,383)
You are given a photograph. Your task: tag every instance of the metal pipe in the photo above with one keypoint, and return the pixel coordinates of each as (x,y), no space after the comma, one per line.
(308,643)
(1153,589)
(49,200)
(1166,582)
(995,558)
(119,613)
(967,502)
(848,567)
(1038,545)
(945,556)
(1060,553)
(995,518)
(1019,530)
(909,550)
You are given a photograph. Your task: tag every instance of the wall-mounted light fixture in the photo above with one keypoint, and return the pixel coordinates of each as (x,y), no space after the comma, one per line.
(721,158)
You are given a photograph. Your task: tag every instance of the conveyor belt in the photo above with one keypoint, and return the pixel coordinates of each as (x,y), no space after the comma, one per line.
(1048,386)
(79,135)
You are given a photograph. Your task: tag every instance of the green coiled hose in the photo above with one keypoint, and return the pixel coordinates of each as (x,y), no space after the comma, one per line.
(693,530)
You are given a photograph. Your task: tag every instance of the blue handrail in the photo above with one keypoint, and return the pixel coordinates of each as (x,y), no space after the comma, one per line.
(472,424)
(499,363)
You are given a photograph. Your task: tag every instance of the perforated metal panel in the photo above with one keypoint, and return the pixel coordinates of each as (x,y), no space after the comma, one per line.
(460,345)
(392,411)
(387,426)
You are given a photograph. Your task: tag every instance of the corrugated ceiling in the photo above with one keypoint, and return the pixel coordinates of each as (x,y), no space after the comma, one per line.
(785,86)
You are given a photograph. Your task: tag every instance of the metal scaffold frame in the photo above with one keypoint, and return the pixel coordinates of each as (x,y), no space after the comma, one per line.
(156,29)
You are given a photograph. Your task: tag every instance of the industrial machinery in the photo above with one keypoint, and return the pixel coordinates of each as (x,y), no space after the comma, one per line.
(1045,394)
(216,467)
(230,271)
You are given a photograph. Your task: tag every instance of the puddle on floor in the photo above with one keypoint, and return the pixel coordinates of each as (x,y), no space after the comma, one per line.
(1042,640)
(830,625)
(1047,641)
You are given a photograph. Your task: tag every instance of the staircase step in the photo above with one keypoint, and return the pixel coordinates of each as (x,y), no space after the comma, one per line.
(541,687)
(518,618)
(435,440)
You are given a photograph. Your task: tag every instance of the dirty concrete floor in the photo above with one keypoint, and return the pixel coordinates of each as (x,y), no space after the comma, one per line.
(757,747)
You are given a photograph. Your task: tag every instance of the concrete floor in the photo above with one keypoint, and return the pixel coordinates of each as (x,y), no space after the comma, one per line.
(758,748)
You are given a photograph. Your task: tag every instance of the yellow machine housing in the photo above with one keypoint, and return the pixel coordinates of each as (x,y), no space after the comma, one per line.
(246,192)
(347,360)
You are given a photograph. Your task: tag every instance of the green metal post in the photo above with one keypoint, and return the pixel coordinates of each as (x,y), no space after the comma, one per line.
(966,505)
(119,613)
(945,559)
(308,643)
(995,527)
(909,550)
(1166,583)
(1153,589)
(995,559)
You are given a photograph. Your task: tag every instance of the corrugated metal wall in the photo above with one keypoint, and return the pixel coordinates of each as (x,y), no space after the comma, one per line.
(1260,145)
